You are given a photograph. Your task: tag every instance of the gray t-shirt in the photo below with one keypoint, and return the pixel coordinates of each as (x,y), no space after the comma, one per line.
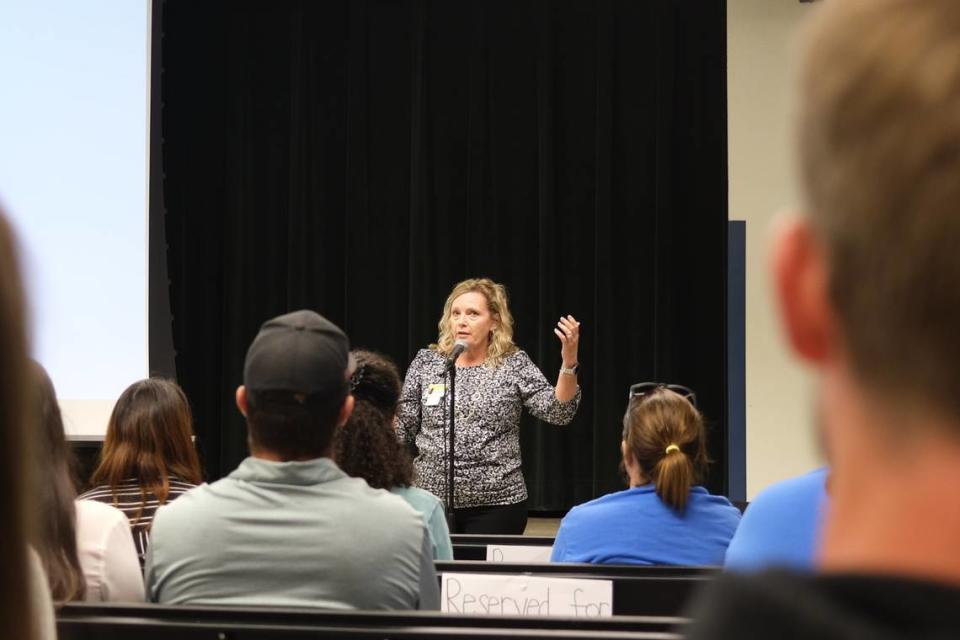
(296,534)
(489,403)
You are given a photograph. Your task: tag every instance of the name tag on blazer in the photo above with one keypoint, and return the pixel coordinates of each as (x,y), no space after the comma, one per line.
(434,394)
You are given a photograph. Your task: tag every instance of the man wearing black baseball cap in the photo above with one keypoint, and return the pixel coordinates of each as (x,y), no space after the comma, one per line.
(288,527)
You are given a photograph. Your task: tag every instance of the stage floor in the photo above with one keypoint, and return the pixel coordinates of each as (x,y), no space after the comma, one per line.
(542,527)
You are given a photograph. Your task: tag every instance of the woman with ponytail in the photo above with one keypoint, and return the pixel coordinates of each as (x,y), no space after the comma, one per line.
(664,517)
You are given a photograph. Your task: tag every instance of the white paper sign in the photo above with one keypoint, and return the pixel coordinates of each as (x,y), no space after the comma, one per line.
(518,553)
(523,595)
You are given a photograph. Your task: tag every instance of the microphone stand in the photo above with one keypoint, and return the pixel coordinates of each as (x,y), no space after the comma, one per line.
(452,371)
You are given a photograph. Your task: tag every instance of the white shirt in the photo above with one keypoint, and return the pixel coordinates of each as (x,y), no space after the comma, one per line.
(44,622)
(107,554)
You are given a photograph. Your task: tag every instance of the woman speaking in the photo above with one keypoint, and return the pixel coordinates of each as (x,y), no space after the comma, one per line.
(494,381)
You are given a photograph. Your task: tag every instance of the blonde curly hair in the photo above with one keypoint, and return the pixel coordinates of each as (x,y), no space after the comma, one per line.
(501,339)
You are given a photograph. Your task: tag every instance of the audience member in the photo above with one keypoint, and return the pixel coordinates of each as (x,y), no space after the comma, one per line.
(869,289)
(367,446)
(288,527)
(85,547)
(782,525)
(26,610)
(148,458)
(55,536)
(663,518)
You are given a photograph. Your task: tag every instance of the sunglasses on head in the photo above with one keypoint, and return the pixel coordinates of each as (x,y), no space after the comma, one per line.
(644,388)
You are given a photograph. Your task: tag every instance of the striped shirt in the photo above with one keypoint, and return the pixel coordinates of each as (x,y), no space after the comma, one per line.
(128,499)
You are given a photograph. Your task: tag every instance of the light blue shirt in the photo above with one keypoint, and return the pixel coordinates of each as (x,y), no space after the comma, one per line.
(433,516)
(297,534)
(636,527)
(781,527)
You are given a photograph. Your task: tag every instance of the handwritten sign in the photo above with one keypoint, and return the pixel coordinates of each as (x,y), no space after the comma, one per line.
(524,595)
(518,553)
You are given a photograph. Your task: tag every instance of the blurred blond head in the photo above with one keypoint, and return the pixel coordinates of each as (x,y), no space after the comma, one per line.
(878,130)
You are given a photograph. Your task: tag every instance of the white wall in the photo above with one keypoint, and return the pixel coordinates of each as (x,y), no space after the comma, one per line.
(760,47)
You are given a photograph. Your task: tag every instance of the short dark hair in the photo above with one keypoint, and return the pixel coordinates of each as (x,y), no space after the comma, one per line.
(290,424)
(367,446)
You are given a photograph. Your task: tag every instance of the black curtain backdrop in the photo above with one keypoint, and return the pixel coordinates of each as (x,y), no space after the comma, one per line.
(360,157)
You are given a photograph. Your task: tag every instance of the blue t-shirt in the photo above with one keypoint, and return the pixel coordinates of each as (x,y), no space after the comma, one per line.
(636,527)
(434,517)
(781,527)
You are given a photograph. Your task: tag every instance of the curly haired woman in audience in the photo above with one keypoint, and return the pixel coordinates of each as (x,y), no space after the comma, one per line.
(367,445)
(148,457)
(664,517)
(84,546)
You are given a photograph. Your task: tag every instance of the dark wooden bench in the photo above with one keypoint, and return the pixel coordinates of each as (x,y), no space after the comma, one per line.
(81,621)
(474,547)
(482,539)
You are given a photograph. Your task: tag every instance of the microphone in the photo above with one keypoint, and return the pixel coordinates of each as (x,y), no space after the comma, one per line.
(458,347)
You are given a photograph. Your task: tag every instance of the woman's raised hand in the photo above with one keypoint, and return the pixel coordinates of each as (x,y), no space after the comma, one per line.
(568,330)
